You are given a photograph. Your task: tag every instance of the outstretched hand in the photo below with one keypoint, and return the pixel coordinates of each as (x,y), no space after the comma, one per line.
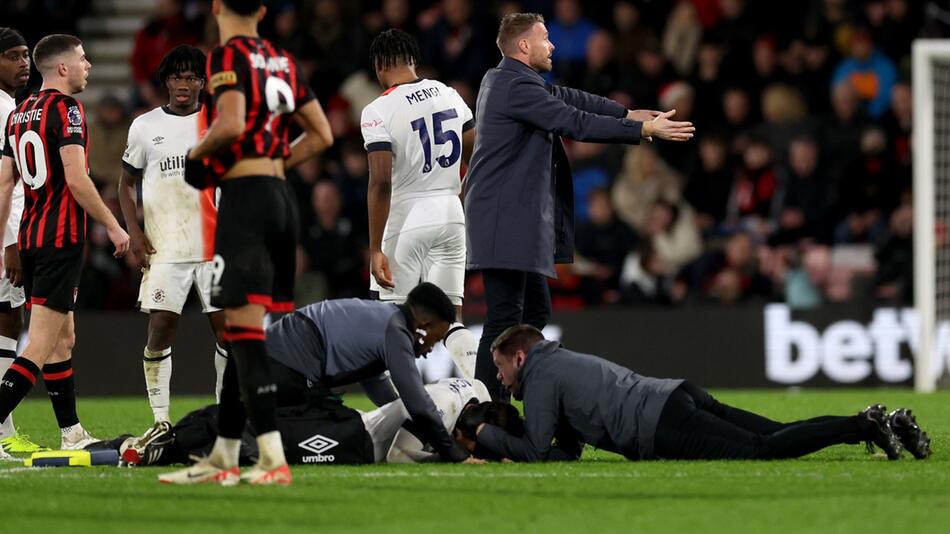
(661,126)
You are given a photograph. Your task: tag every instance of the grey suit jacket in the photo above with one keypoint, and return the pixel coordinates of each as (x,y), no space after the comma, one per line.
(572,399)
(519,195)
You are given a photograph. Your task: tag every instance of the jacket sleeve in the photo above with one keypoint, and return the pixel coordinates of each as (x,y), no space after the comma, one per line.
(379,389)
(541,419)
(588,102)
(401,362)
(531,103)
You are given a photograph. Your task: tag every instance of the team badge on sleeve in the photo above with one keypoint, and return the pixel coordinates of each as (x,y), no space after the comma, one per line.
(74,116)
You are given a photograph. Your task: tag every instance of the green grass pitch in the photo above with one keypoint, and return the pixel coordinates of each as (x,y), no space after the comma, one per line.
(841,489)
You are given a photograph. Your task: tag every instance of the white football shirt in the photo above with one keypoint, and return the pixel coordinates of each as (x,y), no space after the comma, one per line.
(179,219)
(422,124)
(11,229)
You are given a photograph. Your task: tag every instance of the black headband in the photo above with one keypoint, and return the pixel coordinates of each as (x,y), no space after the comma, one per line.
(12,41)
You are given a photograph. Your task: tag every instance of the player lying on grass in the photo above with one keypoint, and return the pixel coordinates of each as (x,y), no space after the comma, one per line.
(572,398)
(462,403)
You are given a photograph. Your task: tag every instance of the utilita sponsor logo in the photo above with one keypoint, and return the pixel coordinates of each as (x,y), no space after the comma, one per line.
(318,444)
(847,351)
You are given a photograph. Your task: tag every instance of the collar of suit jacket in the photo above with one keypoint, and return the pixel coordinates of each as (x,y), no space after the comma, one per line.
(514,64)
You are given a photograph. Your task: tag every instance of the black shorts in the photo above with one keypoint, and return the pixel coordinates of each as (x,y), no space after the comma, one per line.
(255,244)
(51,276)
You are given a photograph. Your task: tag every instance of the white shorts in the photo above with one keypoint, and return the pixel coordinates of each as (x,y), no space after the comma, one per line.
(165,286)
(10,297)
(382,424)
(433,254)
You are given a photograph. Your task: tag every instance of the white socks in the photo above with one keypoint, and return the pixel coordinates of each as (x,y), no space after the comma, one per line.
(7,344)
(463,347)
(158,377)
(226,452)
(220,362)
(271,450)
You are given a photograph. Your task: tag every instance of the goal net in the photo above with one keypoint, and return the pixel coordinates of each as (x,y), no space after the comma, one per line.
(931,152)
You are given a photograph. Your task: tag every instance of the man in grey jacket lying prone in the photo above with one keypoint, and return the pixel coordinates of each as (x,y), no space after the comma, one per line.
(572,398)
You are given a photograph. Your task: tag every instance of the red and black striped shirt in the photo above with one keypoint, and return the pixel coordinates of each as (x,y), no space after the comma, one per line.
(272,83)
(36,130)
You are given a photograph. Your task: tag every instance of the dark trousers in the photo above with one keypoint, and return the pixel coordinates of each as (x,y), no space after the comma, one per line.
(694,425)
(513,298)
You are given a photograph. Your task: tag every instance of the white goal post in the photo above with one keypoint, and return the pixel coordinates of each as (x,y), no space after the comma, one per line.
(931,190)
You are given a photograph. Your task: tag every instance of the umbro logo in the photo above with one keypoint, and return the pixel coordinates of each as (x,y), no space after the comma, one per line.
(158,140)
(318,444)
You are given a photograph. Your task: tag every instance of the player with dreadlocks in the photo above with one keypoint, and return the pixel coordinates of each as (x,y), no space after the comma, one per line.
(415,135)
(177,245)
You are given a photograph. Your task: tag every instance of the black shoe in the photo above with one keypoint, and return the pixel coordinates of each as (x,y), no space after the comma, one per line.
(915,440)
(880,432)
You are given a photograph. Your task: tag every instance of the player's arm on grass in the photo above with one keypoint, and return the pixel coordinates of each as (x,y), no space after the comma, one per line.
(541,418)
(84,191)
(401,362)
(316,137)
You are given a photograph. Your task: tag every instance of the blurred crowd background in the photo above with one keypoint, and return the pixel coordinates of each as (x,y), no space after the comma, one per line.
(796,189)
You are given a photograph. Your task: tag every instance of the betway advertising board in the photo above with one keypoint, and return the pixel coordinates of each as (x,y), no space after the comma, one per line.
(717,347)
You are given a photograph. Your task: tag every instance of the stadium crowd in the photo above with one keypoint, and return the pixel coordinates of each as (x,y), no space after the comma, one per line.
(797,188)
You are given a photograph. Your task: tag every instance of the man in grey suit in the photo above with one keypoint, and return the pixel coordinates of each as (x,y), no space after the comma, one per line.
(519,200)
(571,399)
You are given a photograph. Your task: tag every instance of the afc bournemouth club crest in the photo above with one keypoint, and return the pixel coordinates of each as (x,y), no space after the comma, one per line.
(158,296)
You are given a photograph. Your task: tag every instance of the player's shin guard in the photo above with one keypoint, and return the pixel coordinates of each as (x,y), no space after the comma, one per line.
(16,382)
(220,363)
(158,376)
(7,355)
(61,386)
(463,347)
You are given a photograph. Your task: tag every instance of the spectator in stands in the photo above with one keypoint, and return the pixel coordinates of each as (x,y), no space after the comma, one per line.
(898,123)
(651,73)
(729,275)
(351,176)
(680,96)
(167,29)
(807,201)
(681,38)
(894,280)
(869,72)
(602,244)
(671,228)
(333,248)
(644,179)
(332,43)
(739,119)
(841,131)
(710,183)
(569,32)
(108,138)
(812,81)
(601,74)
(867,192)
(752,202)
(708,86)
(643,279)
(784,116)
(456,46)
(629,33)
